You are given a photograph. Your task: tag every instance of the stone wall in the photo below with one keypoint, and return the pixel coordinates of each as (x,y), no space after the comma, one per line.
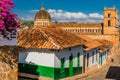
(110,31)
(8,63)
(7,73)
(113,38)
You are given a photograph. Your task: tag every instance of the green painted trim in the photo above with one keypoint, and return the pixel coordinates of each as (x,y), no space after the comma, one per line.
(36,70)
(103,58)
(58,75)
(50,72)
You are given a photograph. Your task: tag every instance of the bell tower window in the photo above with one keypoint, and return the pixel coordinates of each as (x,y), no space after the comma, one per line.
(109,15)
(109,23)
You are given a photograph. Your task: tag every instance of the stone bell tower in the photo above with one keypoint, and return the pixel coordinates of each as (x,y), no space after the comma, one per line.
(111,21)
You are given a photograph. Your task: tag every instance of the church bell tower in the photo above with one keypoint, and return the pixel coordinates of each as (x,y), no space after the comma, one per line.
(111,21)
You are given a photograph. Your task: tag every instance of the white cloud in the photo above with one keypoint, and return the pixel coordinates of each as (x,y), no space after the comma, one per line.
(96,15)
(28,18)
(33,11)
(66,16)
(60,14)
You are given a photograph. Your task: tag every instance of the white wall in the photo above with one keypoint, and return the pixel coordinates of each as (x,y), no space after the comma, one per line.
(50,58)
(53,58)
(66,54)
(9,42)
(90,57)
(2,42)
(12,42)
(38,57)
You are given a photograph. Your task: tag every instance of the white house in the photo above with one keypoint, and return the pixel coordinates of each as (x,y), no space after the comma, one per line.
(105,51)
(55,53)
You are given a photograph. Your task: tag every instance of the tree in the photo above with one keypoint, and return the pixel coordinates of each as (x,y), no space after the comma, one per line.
(8,20)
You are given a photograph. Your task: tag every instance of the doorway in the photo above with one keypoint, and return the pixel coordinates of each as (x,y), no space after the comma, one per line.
(84,62)
(71,65)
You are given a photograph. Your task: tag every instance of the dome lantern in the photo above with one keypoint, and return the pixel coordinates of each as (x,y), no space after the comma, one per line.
(42,8)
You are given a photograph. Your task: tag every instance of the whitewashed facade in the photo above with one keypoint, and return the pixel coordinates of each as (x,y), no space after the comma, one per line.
(10,39)
(50,58)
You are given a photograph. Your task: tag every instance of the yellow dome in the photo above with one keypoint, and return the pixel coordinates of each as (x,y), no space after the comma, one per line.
(42,14)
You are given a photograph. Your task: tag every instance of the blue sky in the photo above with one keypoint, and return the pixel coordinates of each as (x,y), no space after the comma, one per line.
(86,10)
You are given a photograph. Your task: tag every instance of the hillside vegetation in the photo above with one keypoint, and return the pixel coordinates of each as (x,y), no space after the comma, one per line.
(25,23)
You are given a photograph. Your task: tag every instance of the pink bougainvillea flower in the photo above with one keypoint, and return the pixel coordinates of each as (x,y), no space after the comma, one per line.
(8,20)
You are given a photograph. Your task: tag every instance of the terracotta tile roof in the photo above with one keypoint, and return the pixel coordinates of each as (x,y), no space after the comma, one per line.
(22,28)
(46,38)
(91,43)
(50,38)
(76,25)
(105,44)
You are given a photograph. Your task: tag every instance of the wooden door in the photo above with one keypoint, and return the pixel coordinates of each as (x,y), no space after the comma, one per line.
(87,59)
(84,62)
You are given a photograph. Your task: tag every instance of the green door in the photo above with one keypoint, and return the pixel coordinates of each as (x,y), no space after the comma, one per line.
(62,70)
(71,65)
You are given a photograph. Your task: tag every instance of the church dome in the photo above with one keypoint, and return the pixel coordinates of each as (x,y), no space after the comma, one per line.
(42,14)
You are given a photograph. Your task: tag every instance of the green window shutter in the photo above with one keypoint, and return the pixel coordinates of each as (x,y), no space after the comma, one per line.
(62,65)
(78,59)
(100,59)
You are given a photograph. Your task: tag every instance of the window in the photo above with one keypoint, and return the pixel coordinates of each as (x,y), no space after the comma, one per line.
(83,30)
(96,30)
(76,30)
(93,57)
(99,30)
(109,15)
(88,30)
(80,30)
(69,49)
(109,22)
(73,30)
(96,56)
(87,59)
(78,59)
